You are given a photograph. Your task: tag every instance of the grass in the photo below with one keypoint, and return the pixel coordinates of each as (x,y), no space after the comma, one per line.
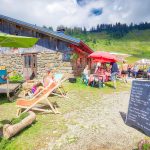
(49,126)
(135,43)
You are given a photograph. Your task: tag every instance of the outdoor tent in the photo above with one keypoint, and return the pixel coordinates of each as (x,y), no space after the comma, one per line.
(143,62)
(102,57)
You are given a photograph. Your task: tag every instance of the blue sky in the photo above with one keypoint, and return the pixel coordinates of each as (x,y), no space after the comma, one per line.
(79,13)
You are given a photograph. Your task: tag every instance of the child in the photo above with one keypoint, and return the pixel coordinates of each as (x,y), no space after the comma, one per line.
(35,89)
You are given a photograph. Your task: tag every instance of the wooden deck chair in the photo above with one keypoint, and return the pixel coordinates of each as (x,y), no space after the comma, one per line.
(59,77)
(37,99)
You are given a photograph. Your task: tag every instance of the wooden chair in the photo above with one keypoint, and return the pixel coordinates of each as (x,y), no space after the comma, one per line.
(60,91)
(38,99)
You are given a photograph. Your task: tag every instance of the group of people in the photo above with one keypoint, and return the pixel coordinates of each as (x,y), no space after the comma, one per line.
(102,72)
(132,71)
(106,72)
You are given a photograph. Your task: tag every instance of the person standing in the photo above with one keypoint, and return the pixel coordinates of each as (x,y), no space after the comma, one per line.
(148,73)
(129,70)
(114,71)
(86,71)
(135,70)
(124,71)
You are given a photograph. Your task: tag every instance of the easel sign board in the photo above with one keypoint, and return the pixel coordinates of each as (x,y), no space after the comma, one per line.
(139,106)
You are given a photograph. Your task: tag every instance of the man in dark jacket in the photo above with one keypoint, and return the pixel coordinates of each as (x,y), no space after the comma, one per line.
(114,71)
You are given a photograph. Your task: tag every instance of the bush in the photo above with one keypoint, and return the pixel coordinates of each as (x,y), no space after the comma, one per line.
(146,146)
(16,78)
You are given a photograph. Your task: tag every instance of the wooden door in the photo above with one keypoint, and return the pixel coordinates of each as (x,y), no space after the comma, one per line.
(29,66)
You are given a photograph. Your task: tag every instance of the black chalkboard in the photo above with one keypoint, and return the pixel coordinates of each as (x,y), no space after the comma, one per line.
(139,106)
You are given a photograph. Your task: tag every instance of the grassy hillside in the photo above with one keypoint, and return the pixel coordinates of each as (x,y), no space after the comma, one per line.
(136,43)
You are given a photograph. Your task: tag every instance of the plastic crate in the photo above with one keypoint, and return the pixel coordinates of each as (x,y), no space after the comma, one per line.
(3,74)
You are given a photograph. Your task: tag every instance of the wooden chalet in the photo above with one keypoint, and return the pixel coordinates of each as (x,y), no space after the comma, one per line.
(54,49)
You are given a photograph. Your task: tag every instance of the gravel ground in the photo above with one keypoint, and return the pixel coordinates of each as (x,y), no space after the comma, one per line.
(99,127)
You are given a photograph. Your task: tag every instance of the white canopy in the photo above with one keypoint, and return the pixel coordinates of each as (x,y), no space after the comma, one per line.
(143,62)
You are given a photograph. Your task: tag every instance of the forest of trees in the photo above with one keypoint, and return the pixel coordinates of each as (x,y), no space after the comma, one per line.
(117,30)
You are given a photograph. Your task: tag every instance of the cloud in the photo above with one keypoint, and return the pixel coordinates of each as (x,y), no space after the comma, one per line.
(76,12)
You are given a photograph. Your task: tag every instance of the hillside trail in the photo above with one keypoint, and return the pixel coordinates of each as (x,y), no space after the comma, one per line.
(99,127)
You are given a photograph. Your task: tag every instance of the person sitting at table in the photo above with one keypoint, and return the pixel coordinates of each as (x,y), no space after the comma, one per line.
(86,73)
(99,73)
(97,67)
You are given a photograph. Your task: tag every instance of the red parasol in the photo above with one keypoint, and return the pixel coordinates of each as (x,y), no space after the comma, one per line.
(103,57)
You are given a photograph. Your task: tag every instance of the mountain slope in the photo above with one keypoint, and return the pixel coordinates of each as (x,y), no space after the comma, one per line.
(136,43)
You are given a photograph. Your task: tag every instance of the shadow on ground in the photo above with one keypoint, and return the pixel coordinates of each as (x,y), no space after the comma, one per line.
(123,115)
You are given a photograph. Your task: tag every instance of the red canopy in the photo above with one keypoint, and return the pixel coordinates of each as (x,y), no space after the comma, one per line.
(103,57)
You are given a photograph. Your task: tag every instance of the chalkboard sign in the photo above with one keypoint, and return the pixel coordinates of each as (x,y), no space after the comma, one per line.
(139,106)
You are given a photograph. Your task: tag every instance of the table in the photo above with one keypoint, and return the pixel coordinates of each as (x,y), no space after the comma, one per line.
(94,77)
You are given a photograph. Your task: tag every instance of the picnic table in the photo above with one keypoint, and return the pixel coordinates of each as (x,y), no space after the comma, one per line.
(11,90)
(98,79)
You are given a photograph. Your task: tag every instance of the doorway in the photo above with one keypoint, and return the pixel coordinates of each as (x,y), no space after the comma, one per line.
(29,66)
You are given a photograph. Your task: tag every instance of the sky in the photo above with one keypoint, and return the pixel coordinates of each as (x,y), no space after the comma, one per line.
(78,13)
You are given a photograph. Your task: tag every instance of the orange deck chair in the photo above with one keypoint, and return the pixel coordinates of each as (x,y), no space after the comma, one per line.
(60,78)
(38,99)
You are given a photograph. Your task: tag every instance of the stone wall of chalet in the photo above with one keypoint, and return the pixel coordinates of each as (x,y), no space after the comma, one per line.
(50,60)
(13,62)
(45,60)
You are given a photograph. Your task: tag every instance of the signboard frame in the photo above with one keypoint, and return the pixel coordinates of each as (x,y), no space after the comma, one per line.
(138,107)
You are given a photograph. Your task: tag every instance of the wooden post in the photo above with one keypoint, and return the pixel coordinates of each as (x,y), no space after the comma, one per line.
(11,130)
(8,96)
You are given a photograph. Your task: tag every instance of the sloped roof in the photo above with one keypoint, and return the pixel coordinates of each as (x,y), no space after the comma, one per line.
(42,30)
(48,32)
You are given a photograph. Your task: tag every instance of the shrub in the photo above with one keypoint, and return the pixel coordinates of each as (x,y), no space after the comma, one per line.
(16,77)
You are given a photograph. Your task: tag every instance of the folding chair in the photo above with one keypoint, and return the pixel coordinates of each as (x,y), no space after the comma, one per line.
(59,77)
(37,99)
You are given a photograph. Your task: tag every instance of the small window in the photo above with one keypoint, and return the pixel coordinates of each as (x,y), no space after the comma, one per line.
(66,57)
(27,61)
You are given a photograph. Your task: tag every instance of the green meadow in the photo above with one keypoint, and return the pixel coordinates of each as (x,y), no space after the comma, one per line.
(135,43)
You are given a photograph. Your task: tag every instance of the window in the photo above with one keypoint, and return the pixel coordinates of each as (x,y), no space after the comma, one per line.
(27,61)
(66,56)
(34,61)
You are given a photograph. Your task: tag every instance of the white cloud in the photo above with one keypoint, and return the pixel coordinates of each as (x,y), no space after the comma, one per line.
(68,13)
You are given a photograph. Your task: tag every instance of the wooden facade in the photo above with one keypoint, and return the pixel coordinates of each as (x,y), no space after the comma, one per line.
(49,42)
